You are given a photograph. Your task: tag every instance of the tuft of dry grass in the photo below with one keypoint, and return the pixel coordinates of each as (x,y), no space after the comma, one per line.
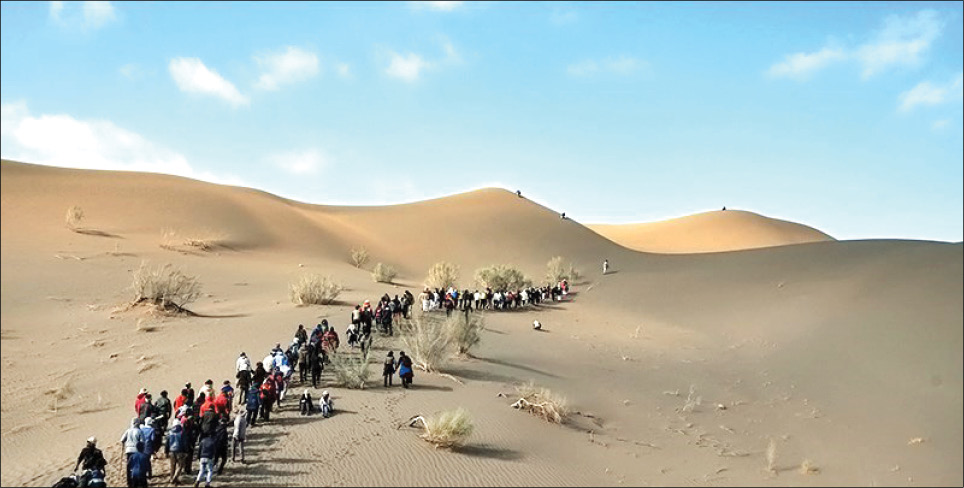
(465,330)
(771,457)
(205,242)
(384,273)
(556,271)
(501,277)
(359,256)
(426,340)
(442,275)
(314,290)
(542,403)
(165,287)
(807,467)
(692,401)
(59,394)
(351,371)
(75,215)
(446,429)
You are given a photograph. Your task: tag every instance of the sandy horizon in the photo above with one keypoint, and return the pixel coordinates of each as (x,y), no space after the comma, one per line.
(843,354)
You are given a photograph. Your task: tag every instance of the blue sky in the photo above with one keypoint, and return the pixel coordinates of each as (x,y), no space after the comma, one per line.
(846,117)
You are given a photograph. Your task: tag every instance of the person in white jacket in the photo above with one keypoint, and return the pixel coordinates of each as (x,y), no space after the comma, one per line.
(244,364)
(240,433)
(131,438)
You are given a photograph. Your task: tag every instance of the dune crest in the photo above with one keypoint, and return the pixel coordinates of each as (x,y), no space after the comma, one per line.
(716,231)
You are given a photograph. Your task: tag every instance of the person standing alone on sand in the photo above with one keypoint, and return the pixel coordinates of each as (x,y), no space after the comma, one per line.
(605,266)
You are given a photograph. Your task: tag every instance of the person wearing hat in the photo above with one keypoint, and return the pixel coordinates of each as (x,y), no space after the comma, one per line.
(146,409)
(130,440)
(388,371)
(307,407)
(140,400)
(90,457)
(326,404)
(148,438)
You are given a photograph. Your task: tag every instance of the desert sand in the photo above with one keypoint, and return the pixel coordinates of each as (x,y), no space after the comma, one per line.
(716,231)
(846,354)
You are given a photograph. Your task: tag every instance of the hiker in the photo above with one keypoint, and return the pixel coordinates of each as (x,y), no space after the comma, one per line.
(267,398)
(148,438)
(326,404)
(352,334)
(185,398)
(389,369)
(303,363)
(90,457)
(329,341)
(221,443)
(243,364)
(252,405)
(129,440)
(190,393)
(316,364)
(189,422)
(562,216)
(141,398)
(240,433)
(146,408)
(209,423)
(207,390)
(138,467)
(280,387)
(176,447)
(244,382)
(605,266)
(307,408)
(259,375)
(519,192)
(302,334)
(405,372)
(206,452)
(536,325)
(162,415)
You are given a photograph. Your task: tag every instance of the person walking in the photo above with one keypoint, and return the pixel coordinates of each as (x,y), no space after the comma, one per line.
(388,371)
(252,405)
(176,447)
(240,434)
(138,468)
(130,440)
(90,457)
(207,451)
(605,266)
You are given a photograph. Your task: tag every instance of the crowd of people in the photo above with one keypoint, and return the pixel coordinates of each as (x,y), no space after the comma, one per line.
(196,425)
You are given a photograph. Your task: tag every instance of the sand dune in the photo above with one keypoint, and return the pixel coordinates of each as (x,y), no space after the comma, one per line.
(715,231)
(839,352)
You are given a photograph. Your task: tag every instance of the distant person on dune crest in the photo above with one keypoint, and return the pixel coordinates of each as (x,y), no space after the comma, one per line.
(724,209)
(605,266)
(519,192)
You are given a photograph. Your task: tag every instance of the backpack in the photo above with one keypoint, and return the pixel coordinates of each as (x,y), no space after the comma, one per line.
(66,482)
(175,441)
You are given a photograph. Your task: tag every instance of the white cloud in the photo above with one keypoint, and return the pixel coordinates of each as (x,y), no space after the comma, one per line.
(927,93)
(291,66)
(406,67)
(91,16)
(440,6)
(343,70)
(62,140)
(192,76)
(620,65)
(302,162)
(802,65)
(901,42)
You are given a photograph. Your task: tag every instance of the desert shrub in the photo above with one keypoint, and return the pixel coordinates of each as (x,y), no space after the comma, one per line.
(384,273)
(351,371)
(204,241)
(359,256)
(442,275)
(465,330)
(557,271)
(542,402)
(426,339)
(75,215)
(165,287)
(446,429)
(501,277)
(314,290)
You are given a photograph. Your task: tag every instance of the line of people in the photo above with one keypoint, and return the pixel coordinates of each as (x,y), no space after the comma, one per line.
(489,299)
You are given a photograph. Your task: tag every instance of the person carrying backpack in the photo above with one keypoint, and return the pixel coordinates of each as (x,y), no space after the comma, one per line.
(176,446)
(240,434)
(388,370)
(252,405)
(148,437)
(129,440)
(207,451)
(138,468)
(267,398)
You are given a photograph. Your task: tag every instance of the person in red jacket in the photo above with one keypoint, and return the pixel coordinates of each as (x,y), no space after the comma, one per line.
(207,405)
(222,404)
(141,398)
(267,398)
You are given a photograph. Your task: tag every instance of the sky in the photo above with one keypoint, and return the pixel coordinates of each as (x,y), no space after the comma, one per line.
(843,116)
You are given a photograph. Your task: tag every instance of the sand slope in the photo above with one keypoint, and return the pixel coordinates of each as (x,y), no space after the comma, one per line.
(840,352)
(715,231)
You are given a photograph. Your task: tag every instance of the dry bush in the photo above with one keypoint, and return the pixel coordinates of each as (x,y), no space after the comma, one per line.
(201,242)
(314,290)
(465,330)
(556,271)
(692,401)
(384,273)
(446,429)
(442,275)
(542,402)
(351,371)
(359,256)
(771,456)
(75,215)
(426,339)
(501,277)
(165,287)
(807,467)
